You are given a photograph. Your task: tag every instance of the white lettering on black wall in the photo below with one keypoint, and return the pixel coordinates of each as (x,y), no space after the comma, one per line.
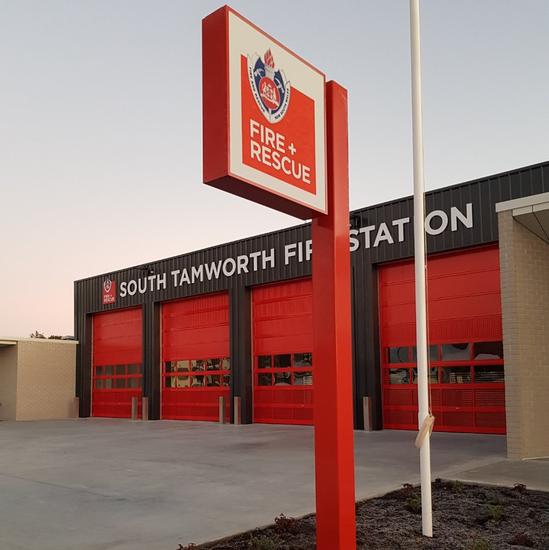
(368,236)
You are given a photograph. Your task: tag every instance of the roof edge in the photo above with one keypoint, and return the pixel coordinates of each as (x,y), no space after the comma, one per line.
(293,227)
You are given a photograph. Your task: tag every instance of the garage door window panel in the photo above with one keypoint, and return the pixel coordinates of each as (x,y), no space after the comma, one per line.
(433,352)
(265,379)
(487,351)
(398,376)
(398,355)
(117,377)
(489,374)
(283,379)
(433,373)
(285,371)
(456,352)
(456,375)
(303,378)
(215,373)
(282,361)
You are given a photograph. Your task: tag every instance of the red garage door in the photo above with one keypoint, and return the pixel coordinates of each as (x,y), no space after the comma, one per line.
(282,348)
(117,363)
(465,337)
(195,356)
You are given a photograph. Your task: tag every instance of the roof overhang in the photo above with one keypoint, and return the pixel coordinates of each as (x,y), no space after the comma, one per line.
(12,341)
(6,343)
(531,212)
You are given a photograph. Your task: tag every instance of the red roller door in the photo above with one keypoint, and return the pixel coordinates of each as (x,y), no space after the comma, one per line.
(117,363)
(282,348)
(196,367)
(465,337)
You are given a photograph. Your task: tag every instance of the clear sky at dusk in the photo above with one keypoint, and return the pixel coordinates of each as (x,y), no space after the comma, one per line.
(100,124)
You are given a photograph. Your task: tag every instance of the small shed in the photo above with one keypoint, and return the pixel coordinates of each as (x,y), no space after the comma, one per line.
(37,378)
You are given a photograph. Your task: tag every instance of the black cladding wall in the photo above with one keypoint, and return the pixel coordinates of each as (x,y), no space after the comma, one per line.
(481,194)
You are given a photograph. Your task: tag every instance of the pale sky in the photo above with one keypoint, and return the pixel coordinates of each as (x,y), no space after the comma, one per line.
(100,124)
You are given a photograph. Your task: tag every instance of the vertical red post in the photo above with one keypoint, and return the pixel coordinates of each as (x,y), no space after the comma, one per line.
(333,394)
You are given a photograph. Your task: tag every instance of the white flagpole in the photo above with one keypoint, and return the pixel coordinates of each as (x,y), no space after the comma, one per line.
(419,253)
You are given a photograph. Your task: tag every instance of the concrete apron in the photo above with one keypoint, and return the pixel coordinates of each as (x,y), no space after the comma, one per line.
(112,484)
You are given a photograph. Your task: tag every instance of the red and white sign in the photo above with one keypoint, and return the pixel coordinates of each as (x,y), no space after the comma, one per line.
(109,292)
(266,139)
(264,118)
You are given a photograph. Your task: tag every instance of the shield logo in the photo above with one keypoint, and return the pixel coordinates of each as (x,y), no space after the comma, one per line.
(270,88)
(107,285)
(109,291)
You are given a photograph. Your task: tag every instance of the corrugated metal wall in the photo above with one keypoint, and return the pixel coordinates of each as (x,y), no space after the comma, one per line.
(482,194)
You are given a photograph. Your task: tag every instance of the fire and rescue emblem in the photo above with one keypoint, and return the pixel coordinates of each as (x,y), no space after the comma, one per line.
(109,291)
(107,285)
(270,88)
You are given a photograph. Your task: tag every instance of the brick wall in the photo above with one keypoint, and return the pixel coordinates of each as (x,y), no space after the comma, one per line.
(524,264)
(46,373)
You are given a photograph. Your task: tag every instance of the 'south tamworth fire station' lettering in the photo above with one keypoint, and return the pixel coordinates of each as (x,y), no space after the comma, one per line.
(368,236)
(229,267)
(262,259)
(436,222)
(302,251)
(143,285)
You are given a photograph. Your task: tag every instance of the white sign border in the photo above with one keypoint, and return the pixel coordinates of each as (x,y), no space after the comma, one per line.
(245,39)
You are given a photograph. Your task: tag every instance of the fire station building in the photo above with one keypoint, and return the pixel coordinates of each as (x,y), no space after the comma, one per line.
(235,320)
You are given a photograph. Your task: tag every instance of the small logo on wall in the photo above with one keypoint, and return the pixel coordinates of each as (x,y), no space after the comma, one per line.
(109,292)
(270,88)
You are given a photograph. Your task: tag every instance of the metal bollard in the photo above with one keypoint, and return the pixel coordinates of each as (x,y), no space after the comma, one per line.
(237,411)
(134,408)
(221,409)
(76,407)
(145,408)
(367,412)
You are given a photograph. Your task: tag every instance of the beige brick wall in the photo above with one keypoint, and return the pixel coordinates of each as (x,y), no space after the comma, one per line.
(524,261)
(45,379)
(8,382)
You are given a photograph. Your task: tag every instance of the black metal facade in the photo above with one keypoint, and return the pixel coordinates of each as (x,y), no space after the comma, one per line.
(481,195)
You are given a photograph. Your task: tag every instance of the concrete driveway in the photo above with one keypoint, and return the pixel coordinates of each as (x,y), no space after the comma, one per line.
(119,485)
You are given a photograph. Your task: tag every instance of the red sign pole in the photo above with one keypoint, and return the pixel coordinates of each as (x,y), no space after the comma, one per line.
(333,397)
(247,153)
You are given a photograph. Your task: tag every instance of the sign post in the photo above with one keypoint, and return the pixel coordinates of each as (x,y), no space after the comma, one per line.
(275,133)
(333,415)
